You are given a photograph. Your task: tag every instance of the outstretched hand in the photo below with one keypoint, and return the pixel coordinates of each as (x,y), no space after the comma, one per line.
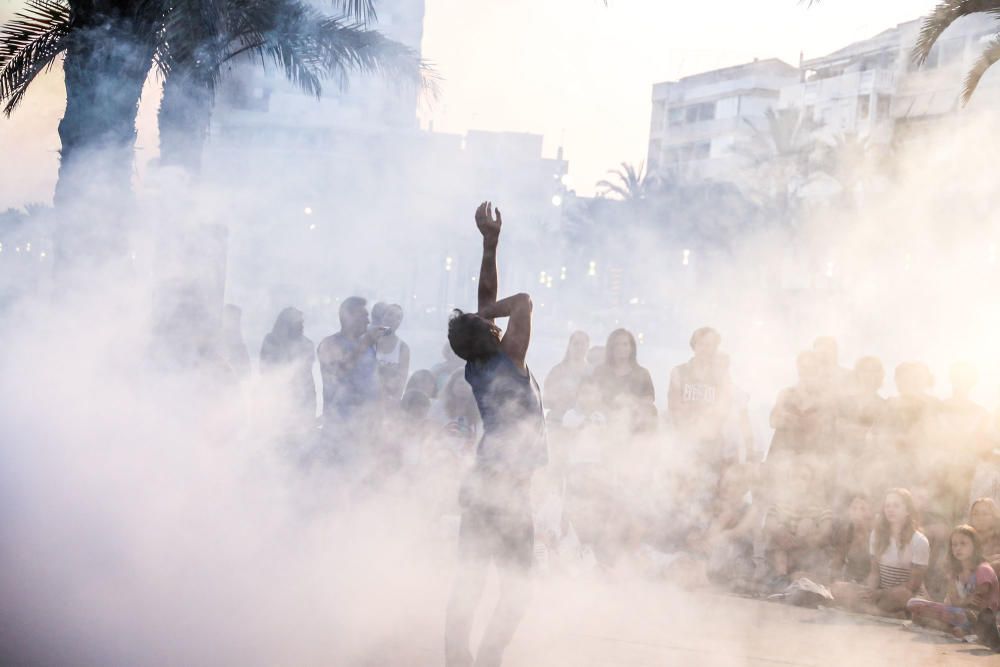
(489,226)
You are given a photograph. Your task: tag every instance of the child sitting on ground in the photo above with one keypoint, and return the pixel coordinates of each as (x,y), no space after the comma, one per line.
(796,531)
(851,534)
(728,542)
(985,518)
(899,553)
(973,588)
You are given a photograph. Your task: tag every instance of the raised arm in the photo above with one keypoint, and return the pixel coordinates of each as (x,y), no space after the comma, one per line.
(489,227)
(518,334)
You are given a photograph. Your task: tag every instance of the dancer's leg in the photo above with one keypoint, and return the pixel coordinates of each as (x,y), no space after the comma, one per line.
(465,595)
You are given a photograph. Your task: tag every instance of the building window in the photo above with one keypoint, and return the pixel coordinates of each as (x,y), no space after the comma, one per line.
(694,113)
(883,105)
(701,150)
(659,109)
(864,106)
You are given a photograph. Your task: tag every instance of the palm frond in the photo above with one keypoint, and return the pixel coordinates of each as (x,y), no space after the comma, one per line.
(942,17)
(29,44)
(194,37)
(361,11)
(983,63)
(607,187)
(340,47)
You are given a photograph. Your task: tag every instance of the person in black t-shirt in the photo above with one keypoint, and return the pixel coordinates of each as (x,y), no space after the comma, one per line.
(495,498)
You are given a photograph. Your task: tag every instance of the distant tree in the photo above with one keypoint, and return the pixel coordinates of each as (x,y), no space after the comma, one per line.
(940,19)
(627,183)
(780,151)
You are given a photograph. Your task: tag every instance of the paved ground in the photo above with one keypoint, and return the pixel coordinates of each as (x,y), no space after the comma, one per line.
(642,625)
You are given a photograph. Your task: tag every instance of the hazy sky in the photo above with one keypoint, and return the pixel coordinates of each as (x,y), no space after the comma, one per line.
(574,70)
(580,73)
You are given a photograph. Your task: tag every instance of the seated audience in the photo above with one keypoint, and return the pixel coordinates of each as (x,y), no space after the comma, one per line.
(899,557)
(973,589)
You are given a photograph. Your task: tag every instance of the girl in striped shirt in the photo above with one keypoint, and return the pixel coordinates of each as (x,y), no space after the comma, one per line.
(900,554)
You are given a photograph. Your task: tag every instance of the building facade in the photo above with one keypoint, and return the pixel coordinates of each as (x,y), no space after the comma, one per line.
(871,89)
(697,120)
(875,90)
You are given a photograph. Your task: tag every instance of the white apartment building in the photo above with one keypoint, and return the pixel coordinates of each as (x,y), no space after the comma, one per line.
(870,88)
(873,89)
(698,119)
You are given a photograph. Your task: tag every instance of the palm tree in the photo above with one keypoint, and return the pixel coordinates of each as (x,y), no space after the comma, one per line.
(781,151)
(110,45)
(630,184)
(938,21)
(308,46)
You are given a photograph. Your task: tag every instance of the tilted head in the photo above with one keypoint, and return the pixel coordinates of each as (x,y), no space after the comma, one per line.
(473,337)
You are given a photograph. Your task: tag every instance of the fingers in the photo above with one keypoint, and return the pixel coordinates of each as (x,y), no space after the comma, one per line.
(489,211)
(499,219)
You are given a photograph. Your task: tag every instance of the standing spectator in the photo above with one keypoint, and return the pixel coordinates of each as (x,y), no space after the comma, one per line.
(564,379)
(458,416)
(738,443)
(233,348)
(391,353)
(860,411)
(834,378)
(695,400)
(347,363)
(624,383)
(444,369)
(422,381)
(909,421)
(288,354)
(596,356)
(802,417)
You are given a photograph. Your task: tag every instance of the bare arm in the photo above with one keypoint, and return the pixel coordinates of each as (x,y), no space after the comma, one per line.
(518,334)
(489,227)
(675,395)
(404,363)
(917,575)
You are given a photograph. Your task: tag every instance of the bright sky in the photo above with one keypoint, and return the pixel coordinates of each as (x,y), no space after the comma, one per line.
(576,71)
(581,73)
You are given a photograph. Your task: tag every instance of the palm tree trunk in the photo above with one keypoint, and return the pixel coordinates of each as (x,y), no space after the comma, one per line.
(105,69)
(184,117)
